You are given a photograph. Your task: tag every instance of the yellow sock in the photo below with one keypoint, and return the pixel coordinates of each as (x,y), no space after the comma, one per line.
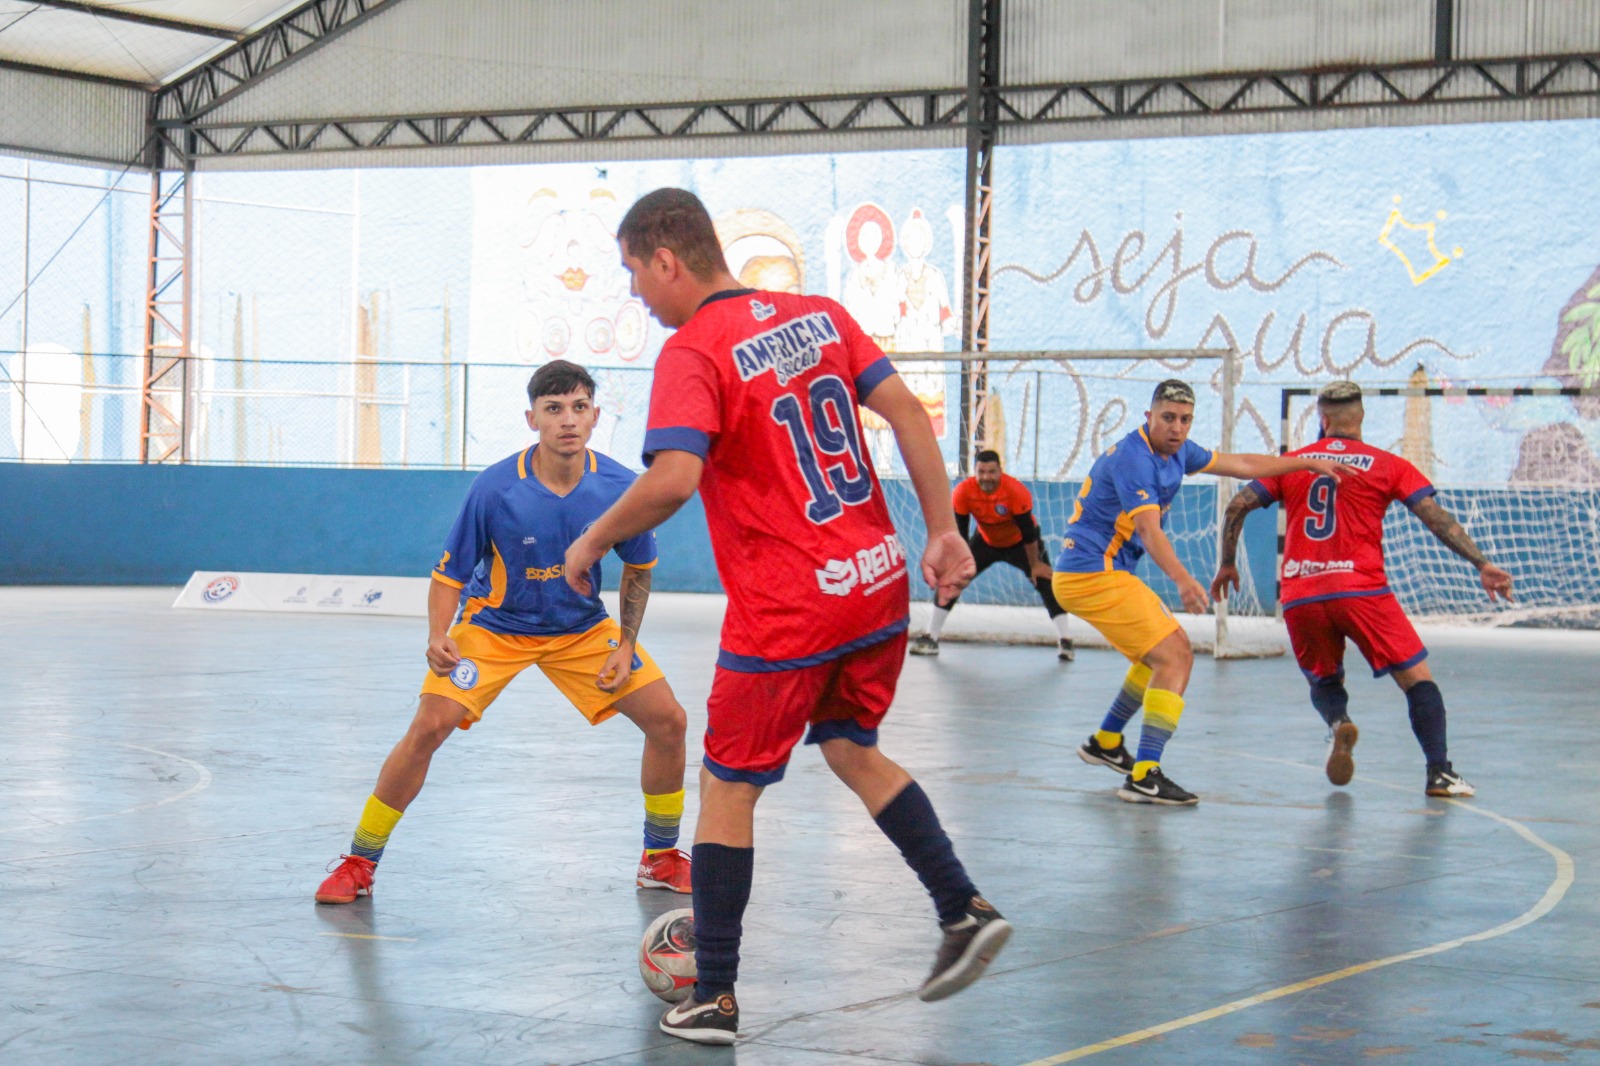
(378,820)
(1162,709)
(662,814)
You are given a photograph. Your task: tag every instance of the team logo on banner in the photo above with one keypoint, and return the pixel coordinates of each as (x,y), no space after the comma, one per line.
(465,675)
(220,589)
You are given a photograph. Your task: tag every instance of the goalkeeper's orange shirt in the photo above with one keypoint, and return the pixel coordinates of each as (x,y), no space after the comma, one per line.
(994,510)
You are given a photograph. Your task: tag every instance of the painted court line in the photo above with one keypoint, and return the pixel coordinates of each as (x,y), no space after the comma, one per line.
(371,936)
(201,785)
(1547,903)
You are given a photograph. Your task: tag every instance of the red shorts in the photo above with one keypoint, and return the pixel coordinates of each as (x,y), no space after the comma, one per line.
(1376,623)
(754,720)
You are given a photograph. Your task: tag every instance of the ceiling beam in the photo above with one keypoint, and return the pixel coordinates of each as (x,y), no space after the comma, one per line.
(77,75)
(261,54)
(1395,85)
(154,21)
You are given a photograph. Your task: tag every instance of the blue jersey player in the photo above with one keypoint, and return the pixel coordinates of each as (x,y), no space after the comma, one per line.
(506,555)
(1118,517)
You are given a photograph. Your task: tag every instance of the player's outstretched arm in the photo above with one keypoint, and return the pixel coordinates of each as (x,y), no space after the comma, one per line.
(649,501)
(947,563)
(1147,524)
(1250,465)
(634,593)
(1442,524)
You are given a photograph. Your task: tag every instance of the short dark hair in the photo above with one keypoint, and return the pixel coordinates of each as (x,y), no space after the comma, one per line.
(988,455)
(557,378)
(676,220)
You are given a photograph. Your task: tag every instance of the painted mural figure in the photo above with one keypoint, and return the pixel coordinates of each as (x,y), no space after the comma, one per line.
(872,287)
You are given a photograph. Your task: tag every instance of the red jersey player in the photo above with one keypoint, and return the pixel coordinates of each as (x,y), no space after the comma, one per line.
(754,403)
(1334,584)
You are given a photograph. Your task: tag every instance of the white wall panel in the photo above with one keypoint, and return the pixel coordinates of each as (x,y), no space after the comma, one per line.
(71,118)
(1051,41)
(440,55)
(1526,27)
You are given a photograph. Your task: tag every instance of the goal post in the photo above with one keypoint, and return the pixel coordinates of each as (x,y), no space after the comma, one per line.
(1512,465)
(1050,414)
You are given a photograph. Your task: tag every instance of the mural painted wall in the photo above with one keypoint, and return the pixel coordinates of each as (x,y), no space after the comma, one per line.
(1456,255)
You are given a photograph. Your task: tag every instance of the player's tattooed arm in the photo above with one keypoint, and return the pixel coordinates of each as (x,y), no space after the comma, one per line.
(1227,576)
(1442,524)
(1243,502)
(634,594)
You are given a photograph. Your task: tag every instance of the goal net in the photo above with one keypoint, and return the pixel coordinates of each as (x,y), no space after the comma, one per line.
(1050,415)
(1518,467)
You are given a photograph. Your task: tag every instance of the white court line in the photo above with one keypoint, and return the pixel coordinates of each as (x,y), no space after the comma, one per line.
(1547,902)
(371,936)
(201,785)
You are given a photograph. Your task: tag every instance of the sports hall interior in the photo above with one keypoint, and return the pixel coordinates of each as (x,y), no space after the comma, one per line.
(274,276)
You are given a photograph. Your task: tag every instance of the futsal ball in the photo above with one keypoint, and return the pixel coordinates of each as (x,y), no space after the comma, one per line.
(666,956)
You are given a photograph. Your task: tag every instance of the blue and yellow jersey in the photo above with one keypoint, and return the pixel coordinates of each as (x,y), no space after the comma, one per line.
(510,542)
(1130,477)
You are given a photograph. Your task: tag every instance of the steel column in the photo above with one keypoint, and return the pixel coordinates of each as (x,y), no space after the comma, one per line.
(166,399)
(983,112)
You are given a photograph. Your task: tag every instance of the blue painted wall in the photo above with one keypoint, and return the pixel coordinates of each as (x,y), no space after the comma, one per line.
(154,525)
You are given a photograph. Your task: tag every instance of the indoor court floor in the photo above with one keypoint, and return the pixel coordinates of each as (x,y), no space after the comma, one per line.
(173,783)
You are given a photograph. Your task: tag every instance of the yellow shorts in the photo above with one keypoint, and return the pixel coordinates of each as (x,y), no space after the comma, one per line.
(571,661)
(1120,606)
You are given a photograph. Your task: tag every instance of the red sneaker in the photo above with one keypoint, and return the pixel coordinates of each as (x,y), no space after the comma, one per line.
(664,869)
(353,878)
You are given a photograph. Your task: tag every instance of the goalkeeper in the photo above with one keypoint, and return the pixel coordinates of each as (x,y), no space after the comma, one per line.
(1007,533)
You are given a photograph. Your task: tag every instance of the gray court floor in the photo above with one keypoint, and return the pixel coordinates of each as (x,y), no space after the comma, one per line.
(173,783)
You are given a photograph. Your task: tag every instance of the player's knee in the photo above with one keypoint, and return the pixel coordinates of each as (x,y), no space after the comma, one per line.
(435,720)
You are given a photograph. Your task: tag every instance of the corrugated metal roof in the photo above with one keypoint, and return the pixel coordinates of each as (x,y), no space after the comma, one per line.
(147,42)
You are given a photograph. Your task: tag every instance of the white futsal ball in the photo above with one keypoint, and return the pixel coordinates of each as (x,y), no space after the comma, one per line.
(666,955)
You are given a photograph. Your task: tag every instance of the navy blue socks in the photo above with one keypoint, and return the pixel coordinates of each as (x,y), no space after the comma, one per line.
(1329,697)
(721,890)
(1427,722)
(910,822)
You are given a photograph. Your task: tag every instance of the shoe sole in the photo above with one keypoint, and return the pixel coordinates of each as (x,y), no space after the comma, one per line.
(919,651)
(1445,794)
(343,899)
(645,882)
(700,1036)
(970,966)
(1341,764)
(1129,796)
(1095,760)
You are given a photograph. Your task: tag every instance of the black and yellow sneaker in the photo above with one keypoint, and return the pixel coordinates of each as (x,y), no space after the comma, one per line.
(1117,758)
(1155,787)
(924,645)
(715,1021)
(1342,739)
(966,951)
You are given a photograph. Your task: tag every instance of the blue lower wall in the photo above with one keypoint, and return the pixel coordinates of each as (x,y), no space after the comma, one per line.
(154,525)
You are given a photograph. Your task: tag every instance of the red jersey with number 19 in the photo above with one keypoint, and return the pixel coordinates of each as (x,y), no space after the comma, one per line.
(763,386)
(1334,547)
